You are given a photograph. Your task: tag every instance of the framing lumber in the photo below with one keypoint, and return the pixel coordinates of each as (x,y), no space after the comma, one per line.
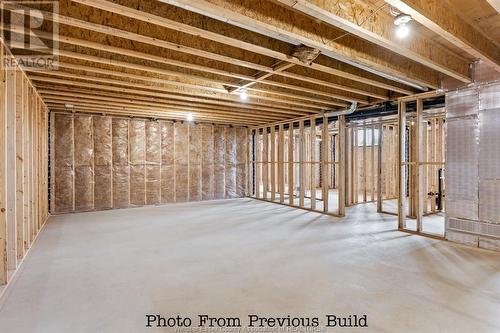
(156,91)
(217,31)
(401,165)
(75,98)
(276,21)
(444,21)
(341,166)
(304,78)
(378,28)
(23,200)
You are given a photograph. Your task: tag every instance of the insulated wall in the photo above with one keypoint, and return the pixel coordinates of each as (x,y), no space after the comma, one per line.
(105,162)
(473,166)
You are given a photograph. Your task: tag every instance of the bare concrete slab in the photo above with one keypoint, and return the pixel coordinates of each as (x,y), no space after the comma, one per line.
(104,271)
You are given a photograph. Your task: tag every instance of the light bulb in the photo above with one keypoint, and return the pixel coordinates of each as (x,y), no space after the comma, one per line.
(402,31)
(243,95)
(189,117)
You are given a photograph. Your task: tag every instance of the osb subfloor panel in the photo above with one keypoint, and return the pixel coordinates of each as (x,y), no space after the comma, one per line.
(104,271)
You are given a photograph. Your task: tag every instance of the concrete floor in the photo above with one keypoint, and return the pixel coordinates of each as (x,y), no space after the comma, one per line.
(104,271)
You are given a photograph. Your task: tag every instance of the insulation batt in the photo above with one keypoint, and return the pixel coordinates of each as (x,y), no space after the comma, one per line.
(118,162)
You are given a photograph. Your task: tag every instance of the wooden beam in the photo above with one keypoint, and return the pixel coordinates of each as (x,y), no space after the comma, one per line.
(60,93)
(444,21)
(278,22)
(3,171)
(325,160)
(266,94)
(20,181)
(313,159)
(217,31)
(291,166)
(100,111)
(495,4)
(418,142)
(155,91)
(342,166)
(402,137)
(309,78)
(302,178)
(281,164)
(180,111)
(378,28)
(11,170)
(272,163)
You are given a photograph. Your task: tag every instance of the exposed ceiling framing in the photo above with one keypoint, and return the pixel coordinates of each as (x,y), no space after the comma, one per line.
(292,58)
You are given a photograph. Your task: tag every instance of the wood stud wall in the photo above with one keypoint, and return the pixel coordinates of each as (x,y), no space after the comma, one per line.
(297,164)
(23,166)
(358,164)
(105,162)
(411,167)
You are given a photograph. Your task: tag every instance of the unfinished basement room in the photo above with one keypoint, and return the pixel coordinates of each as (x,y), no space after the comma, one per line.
(250,166)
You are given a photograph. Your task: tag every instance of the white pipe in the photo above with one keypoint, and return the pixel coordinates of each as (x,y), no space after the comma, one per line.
(354,107)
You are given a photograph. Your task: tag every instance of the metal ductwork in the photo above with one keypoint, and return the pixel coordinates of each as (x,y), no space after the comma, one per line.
(354,107)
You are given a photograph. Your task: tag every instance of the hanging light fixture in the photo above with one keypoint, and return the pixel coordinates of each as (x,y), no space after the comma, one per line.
(243,94)
(401,22)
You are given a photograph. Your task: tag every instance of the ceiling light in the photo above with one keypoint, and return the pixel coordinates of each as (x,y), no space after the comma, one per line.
(243,95)
(402,19)
(401,22)
(402,31)
(69,106)
(189,117)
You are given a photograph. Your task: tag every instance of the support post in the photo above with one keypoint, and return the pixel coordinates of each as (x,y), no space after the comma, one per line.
(401,164)
(325,162)
(418,165)
(341,166)
(312,161)
(379,168)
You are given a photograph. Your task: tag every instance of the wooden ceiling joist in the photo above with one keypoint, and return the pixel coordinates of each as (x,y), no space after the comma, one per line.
(145,114)
(378,28)
(273,20)
(79,97)
(335,94)
(175,23)
(200,94)
(165,111)
(292,58)
(159,92)
(444,21)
